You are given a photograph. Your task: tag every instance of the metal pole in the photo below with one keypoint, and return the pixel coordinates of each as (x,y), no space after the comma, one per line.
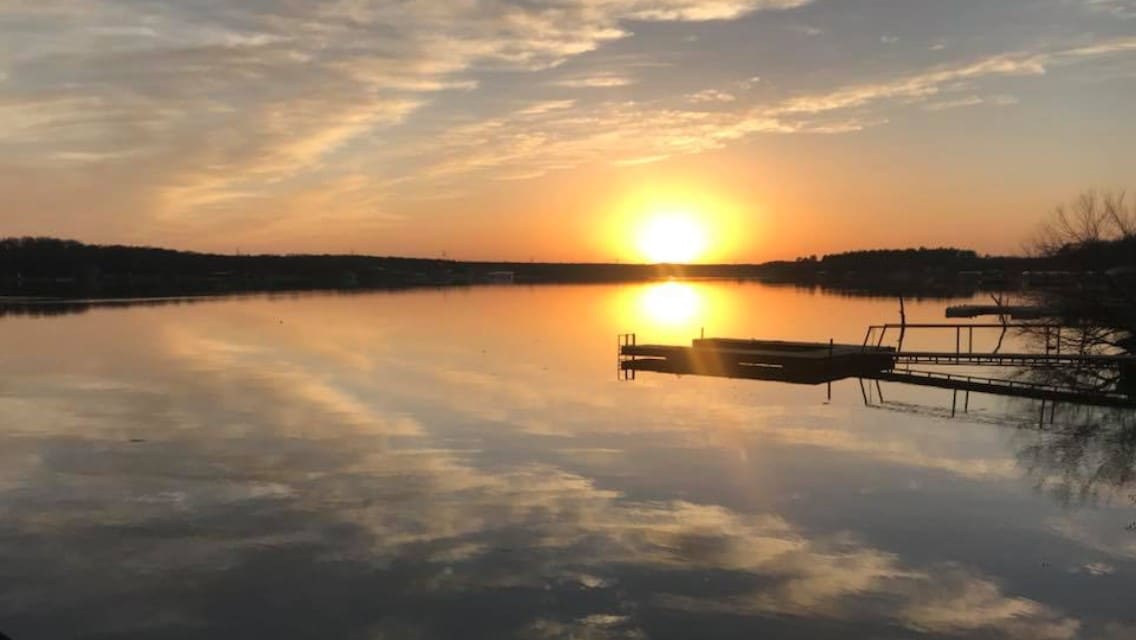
(830,342)
(902,325)
(619,357)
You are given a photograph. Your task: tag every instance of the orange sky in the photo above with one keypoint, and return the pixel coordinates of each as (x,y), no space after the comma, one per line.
(526,130)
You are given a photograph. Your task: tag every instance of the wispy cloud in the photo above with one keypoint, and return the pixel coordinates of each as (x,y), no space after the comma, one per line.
(1124,9)
(192,115)
(643,132)
(217,102)
(711,95)
(594,82)
(1000,100)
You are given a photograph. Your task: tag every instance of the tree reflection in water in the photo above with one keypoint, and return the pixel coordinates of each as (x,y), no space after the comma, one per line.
(1078,453)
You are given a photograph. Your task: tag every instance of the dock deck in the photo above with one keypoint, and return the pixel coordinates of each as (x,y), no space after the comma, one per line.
(796,362)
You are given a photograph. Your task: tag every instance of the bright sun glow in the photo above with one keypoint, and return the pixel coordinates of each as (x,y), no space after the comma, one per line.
(670,303)
(672,237)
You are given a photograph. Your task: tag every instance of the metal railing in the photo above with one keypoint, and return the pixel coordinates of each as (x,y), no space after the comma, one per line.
(622,372)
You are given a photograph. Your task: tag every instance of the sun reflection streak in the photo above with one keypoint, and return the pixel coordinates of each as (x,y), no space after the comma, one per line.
(671,303)
(672,311)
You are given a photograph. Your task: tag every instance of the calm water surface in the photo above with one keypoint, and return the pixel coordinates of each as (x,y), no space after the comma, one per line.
(465,464)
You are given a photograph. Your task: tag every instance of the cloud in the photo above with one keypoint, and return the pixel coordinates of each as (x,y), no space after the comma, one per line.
(956,103)
(807,30)
(641,132)
(711,95)
(918,86)
(545,106)
(1123,9)
(201,120)
(213,105)
(1097,569)
(595,82)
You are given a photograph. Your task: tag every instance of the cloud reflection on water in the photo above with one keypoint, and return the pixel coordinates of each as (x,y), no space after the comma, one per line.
(282,485)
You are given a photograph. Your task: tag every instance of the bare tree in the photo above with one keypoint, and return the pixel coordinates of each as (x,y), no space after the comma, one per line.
(1092,242)
(1093,219)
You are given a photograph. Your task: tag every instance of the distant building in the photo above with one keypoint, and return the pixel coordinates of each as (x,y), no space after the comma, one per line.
(1031,279)
(499,277)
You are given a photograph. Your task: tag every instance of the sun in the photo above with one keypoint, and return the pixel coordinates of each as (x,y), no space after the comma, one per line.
(673,237)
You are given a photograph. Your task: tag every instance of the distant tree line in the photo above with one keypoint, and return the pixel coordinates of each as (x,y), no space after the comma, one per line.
(52,266)
(890,259)
(52,257)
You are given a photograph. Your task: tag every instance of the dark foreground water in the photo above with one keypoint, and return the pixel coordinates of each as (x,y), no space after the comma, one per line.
(464,464)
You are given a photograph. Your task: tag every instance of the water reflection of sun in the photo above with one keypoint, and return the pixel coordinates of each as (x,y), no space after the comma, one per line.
(670,303)
(673,311)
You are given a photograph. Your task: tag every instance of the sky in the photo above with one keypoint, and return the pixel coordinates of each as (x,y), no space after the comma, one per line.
(560,129)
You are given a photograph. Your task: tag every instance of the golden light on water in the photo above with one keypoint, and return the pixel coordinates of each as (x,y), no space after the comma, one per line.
(674,311)
(671,303)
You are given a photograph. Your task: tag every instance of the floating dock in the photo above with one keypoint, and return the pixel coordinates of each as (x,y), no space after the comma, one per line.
(1016,312)
(795,362)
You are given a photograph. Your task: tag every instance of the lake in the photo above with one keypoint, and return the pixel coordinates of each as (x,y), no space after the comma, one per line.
(465,463)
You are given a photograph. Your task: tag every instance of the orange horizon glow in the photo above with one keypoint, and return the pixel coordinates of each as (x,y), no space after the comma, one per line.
(679,223)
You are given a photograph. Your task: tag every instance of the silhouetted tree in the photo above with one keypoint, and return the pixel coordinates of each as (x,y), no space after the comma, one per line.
(1094,231)
(1093,241)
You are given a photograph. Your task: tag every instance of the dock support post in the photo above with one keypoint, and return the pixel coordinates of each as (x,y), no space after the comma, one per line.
(830,343)
(902,325)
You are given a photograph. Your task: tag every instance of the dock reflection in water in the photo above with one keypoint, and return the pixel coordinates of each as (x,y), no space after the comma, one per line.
(463,464)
